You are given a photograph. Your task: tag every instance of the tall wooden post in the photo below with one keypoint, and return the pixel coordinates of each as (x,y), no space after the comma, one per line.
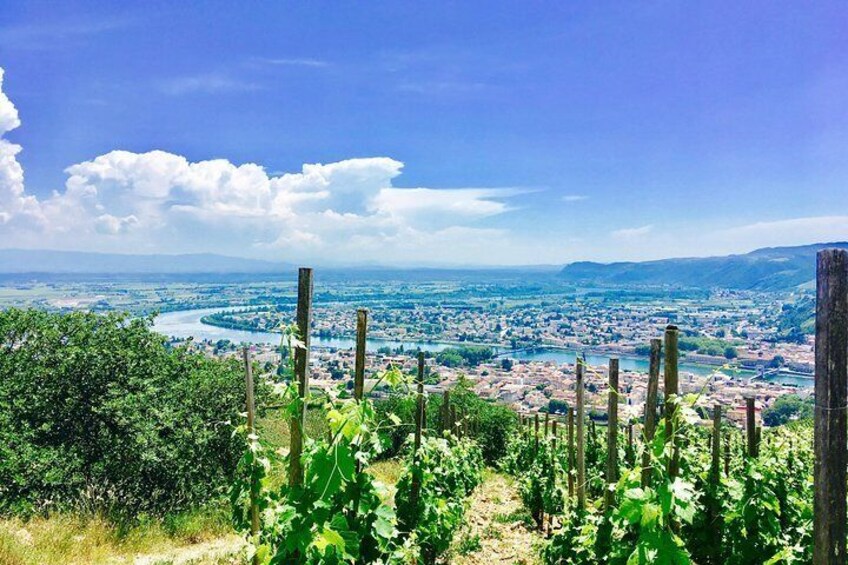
(359,363)
(727,455)
(536,432)
(453,420)
(581,439)
(716,467)
(547,423)
(570,433)
(612,433)
(671,397)
(831,394)
(446,413)
(419,424)
(651,409)
(251,431)
(715,472)
(301,373)
(751,426)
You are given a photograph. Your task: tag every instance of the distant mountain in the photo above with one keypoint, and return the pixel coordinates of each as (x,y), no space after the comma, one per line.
(771,268)
(57,262)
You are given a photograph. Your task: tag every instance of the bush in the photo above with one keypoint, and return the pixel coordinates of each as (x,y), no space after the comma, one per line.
(449,471)
(490,423)
(96,411)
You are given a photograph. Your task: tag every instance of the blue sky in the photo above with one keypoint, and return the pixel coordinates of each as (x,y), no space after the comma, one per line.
(531,132)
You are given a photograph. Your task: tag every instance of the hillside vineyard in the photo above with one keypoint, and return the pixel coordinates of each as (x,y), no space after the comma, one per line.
(678,485)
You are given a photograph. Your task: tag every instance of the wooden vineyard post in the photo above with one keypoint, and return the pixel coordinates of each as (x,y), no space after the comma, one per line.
(536,432)
(581,440)
(570,433)
(419,424)
(612,433)
(651,409)
(631,452)
(670,384)
(446,412)
(359,363)
(716,444)
(301,373)
(453,420)
(751,426)
(727,455)
(715,513)
(251,431)
(831,394)
(547,423)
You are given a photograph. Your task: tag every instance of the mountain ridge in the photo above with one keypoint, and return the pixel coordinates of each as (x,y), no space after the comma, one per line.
(767,268)
(17,261)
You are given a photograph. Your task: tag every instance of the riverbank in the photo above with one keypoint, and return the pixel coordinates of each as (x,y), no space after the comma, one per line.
(188,324)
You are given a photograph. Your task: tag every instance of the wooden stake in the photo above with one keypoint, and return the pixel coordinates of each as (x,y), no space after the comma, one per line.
(536,432)
(714,506)
(419,424)
(581,440)
(651,409)
(671,397)
(301,373)
(453,420)
(570,433)
(716,440)
(751,426)
(612,434)
(831,394)
(251,430)
(446,413)
(359,363)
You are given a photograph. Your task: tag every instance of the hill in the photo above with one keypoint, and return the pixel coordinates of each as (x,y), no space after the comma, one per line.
(771,268)
(47,261)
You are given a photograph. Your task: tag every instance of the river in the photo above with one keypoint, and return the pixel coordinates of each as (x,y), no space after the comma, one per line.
(186,323)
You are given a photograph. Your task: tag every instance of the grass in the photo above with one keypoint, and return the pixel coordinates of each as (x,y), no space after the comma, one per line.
(76,538)
(73,538)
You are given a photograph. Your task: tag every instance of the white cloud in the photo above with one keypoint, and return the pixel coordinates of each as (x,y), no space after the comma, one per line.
(14,203)
(793,231)
(293,62)
(574,198)
(208,83)
(348,211)
(632,233)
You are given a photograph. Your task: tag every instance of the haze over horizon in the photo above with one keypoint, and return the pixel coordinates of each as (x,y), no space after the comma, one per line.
(453,135)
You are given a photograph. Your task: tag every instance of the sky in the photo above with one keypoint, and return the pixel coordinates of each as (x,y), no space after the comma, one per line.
(410,133)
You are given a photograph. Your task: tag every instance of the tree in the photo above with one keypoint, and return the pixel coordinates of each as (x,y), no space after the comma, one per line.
(112,415)
(556,406)
(730,352)
(787,408)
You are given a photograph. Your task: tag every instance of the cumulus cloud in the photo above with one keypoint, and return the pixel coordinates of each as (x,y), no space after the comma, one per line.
(14,203)
(161,202)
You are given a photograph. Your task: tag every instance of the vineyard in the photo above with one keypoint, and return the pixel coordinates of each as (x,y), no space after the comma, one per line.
(680,484)
(668,489)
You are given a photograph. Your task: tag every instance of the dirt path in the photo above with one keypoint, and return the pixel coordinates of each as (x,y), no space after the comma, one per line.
(220,552)
(497,528)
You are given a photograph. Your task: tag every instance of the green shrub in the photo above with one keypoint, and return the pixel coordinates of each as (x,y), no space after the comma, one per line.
(96,411)
(448,471)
